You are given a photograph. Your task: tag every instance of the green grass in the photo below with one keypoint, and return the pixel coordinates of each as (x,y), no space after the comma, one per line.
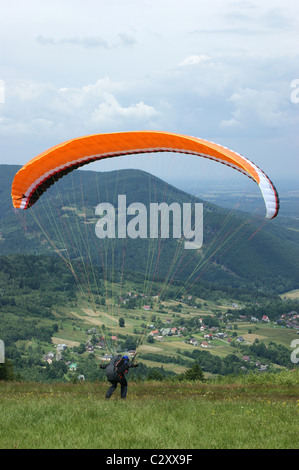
(253,412)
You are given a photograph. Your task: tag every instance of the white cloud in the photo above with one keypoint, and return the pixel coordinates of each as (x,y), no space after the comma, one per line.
(86,41)
(221,71)
(110,111)
(254,108)
(12,127)
(195,59)
(44,109)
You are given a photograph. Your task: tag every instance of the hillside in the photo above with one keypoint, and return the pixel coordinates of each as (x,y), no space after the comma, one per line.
(238,250)
(75,290)
(47,326)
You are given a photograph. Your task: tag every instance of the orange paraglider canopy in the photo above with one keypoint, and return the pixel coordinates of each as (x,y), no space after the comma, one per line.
(38,174)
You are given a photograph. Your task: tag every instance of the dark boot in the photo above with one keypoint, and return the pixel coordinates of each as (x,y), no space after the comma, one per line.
(111,389)
(124,387)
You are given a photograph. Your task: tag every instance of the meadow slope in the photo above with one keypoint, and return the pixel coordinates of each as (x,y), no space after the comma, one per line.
(253,412)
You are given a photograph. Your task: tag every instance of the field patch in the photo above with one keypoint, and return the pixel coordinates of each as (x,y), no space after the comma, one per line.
(88,319)
(89,312)
(67,342)
(293,294)
(251,337)
(149,348)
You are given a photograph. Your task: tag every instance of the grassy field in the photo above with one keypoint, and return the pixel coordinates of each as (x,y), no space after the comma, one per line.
(254,412)
(293,294)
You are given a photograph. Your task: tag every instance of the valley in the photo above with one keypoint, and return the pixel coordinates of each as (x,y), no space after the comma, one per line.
(69,300)
(168,337)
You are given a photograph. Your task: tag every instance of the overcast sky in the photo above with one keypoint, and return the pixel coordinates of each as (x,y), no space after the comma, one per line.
(222,70)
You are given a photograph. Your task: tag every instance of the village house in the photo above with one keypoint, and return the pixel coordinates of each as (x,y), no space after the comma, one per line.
(221,335)
(292,313)
(214,328)
(253,319)
(193,341)
(50,355)
(166,331)
(240,339)
(92,331)
(100,344)
(106,357)
(159,338)
(131,353)
(154,333)
(204,344)
(48,360)
(246,358)
(90,348)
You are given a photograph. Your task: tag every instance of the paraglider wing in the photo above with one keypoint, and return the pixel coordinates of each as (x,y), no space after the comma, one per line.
(38,174)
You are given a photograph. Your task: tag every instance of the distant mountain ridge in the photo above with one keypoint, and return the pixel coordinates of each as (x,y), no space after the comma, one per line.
(264,258)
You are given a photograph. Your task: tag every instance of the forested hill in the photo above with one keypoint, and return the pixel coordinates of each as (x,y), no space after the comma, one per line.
(257,256)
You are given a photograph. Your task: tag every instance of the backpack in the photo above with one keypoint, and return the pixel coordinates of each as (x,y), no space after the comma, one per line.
(121,367)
